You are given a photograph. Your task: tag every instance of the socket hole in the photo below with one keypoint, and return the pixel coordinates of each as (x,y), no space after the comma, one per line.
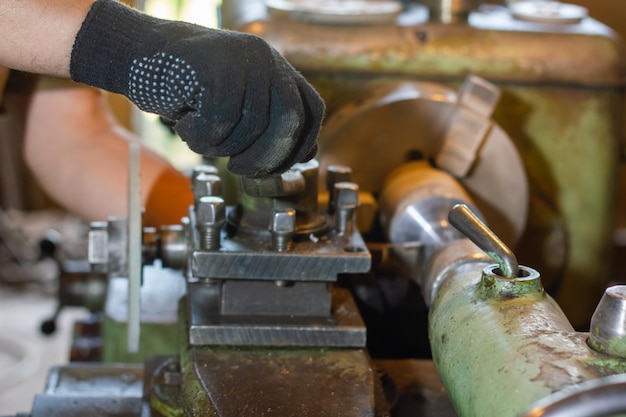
(521,273)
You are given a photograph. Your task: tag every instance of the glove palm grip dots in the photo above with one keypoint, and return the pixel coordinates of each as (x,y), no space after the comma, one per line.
(164,84)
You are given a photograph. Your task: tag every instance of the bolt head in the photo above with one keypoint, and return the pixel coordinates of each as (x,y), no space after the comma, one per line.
(203,169)
(210,211)
(283,221)
(346,195)
(336,174)
(207,185)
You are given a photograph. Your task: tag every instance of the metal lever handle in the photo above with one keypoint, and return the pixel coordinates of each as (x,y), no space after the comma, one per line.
(467,223)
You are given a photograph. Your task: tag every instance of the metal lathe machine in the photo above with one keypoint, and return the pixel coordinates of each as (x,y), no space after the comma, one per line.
(443,255)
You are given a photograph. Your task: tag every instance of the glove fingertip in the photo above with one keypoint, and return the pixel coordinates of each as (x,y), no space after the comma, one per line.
(310,154)
(246,167)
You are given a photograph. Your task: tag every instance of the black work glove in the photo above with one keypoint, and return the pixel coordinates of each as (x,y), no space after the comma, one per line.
(227,93)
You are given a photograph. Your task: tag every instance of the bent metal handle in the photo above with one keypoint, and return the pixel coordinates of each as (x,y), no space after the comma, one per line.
(467,223)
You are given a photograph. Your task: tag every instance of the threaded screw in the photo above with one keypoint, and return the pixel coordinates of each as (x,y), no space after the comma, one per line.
(282,227)
(346,202)
(210,217)
(334,175)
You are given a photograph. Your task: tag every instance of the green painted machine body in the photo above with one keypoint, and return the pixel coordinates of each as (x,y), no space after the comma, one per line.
(155,339)
(500,345)
(561,104)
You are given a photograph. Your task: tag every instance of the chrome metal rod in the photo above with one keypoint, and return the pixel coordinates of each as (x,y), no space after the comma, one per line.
(467,223)
(134,248)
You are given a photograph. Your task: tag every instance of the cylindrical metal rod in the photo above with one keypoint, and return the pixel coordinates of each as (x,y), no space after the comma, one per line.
(467,223)
(134,247)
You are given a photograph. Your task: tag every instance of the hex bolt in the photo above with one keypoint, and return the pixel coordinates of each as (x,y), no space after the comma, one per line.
(210,217)
(205,184)
(334,175)
(282,227)
(203,169)
(346,202)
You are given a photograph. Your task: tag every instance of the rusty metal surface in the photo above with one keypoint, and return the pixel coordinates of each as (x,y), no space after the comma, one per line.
(315,382)
(411,387)
(416,388)
(493,45)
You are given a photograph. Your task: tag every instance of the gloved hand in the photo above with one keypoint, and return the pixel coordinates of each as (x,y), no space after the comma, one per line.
(227,93)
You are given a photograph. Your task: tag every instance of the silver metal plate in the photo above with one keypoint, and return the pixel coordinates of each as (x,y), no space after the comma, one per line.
(344,328)
(548,12)
(339,11)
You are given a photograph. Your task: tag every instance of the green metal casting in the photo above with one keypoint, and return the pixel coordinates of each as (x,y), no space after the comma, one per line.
(155,339)
(501,344)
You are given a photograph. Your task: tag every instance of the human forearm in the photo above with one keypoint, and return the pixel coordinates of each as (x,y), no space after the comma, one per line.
(37,36)
(226,93)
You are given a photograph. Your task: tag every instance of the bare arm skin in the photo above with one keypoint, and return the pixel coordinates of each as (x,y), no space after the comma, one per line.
(73,145)
(37,35)
(79,155)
